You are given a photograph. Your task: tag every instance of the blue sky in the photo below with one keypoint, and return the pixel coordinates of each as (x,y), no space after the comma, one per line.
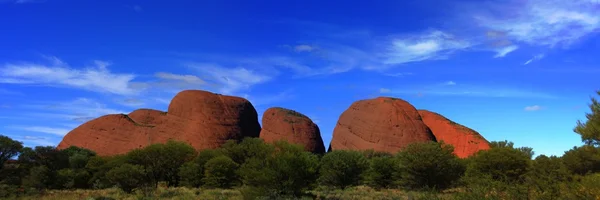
(517,70)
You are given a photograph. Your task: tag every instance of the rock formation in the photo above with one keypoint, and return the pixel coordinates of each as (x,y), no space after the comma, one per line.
(382,124)
(284,124)
(203,119)
(466,141)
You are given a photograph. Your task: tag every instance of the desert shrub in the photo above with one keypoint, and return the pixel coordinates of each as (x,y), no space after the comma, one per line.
(99,166)
(502,164)
(288,172)
(128,177)
(428,165)
(342,168)
(381,172)
(247,148)
(219,172)
(162,161)
(191,173)
(40,177)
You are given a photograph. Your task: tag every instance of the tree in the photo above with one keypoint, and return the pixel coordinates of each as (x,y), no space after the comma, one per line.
(381,172)
(546,176)
(342,168)
(99,166)
(590,130)
(247,148)
(583,160)
(162,161)
(219,172)
(500,164)
(428,165)
(8,148)
(287,171)
(506,144)
(191,173)
(128,177)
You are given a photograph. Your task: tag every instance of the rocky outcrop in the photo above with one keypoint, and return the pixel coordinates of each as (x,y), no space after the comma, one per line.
(466,141)
(202,119)
(382,124)
(294,127)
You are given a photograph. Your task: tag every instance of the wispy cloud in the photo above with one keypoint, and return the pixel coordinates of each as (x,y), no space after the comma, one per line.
(472,91)
(398,74)
(505,50)
(543,22)
(43,129)
(535,58)
(93,78)
(434,45)
(28,1)
(533,108)
(450,83)
(304,48)
(266,100)
(230,80)
(80,110)
(384,90)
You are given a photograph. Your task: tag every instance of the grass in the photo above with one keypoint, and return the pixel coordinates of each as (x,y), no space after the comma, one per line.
(354,193)
(116,194)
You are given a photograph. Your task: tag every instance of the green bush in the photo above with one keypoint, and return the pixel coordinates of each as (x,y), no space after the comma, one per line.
(583,160)
(501,164)
(219,172)
(128,177)
(381,172)
(547,176)
(8,149)
(288,172)
(342,168)
(191,173)
(162,161)
(428,165)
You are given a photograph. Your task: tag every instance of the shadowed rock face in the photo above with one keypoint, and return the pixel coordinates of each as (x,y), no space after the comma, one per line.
(382,124)
(294,127)
(466,141)
(203,119)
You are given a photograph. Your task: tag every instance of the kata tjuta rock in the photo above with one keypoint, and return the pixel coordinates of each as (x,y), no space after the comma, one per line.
(382,124)
(294,127)
(200,118)
(466,141)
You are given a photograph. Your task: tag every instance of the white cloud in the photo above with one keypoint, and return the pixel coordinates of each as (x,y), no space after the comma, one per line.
(80,109)
(535,58)
(263,100)
(92,78)
(384,90)
(434,45)
(473,91)
(230,80)
(450,83)
(532,108)
(398,74)
(545,22)
(44,129)
(501,52)
(304,47)
(28,1)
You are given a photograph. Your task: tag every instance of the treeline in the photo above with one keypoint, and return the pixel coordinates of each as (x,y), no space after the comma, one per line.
(281,169)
